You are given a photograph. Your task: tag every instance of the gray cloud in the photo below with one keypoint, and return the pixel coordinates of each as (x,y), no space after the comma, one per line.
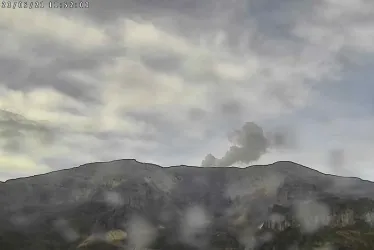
(283,138)
(163,62)
(209,161)
(19,75)
(15,129)
(231,108)
(249,143)
(196,114)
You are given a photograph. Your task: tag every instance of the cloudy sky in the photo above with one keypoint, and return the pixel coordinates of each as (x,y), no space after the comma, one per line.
(169,82)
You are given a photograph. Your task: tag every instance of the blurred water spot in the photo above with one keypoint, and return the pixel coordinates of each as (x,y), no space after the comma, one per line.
(65,230)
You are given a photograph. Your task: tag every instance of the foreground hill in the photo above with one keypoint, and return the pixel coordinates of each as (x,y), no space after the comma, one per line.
(126,204)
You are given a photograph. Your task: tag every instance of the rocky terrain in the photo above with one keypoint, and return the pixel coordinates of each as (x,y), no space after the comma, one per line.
(127,204)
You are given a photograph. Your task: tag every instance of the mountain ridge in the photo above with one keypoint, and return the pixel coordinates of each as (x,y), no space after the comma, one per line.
(104,196)
(189,166)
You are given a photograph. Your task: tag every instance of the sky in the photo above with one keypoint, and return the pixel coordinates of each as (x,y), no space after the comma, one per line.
(205,83)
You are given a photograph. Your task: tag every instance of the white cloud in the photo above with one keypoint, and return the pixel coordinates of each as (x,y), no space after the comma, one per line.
(43,105)
(131,85)
(147,38)
(209,72)
(48,105)
(335,25)
(20,165)
(43,25)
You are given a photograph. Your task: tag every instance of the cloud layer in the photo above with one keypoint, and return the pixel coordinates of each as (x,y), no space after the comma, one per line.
(165,82)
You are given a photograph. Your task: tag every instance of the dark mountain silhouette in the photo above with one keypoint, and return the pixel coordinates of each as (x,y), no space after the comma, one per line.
(128,204)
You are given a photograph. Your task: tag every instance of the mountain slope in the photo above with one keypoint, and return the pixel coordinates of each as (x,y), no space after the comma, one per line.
(265,207)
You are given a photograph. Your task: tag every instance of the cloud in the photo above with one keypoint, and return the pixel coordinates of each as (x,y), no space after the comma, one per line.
(40,25)
(147,38)
(338,26)
(231,107)
(283,138)
(162,81)
(16,129)
(250,143)
(209,161)
(21,165)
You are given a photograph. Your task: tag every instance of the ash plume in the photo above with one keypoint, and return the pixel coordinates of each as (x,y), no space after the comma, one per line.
(249,143)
